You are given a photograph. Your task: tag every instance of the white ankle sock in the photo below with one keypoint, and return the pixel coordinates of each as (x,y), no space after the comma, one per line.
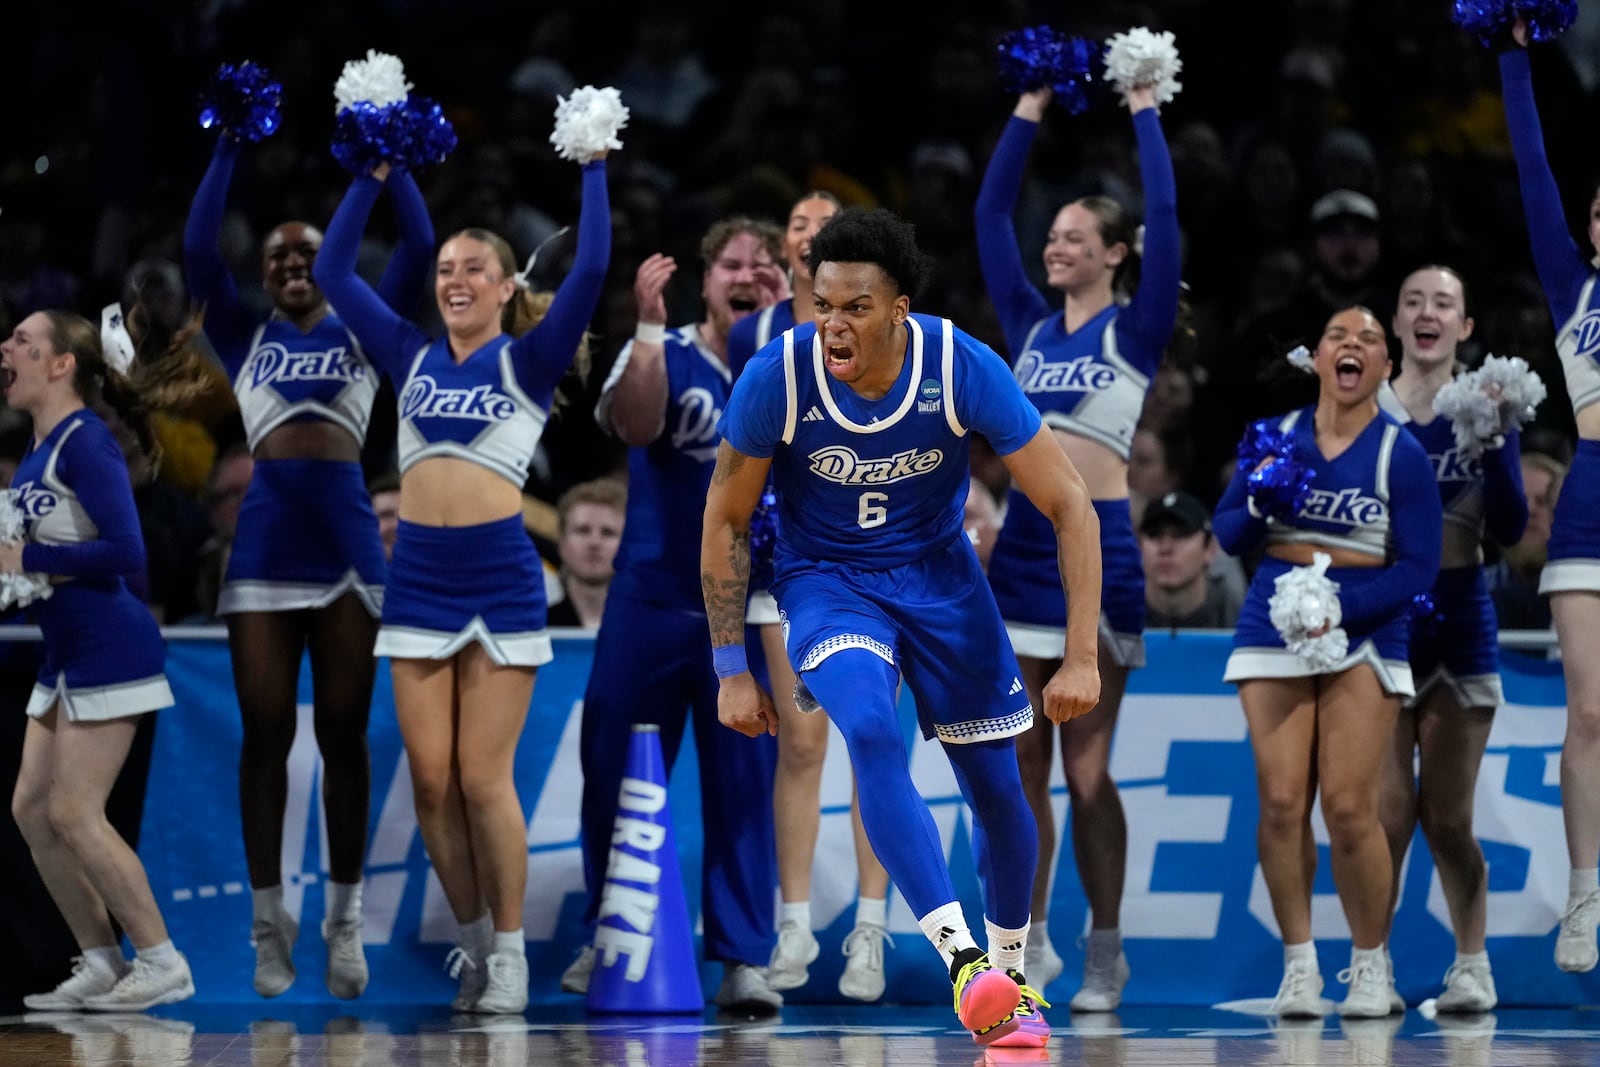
(162,955)
(106,957)
(477,936)
(510,941)
(1367,957)
(1581,881)
(798,912)
(1304,951)
(343,901)
(1110,937)
(266,904)
(946,927)
(1006,946)
(872,911)
(1468,959)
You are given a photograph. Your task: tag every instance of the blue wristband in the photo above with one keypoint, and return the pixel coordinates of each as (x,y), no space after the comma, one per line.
(729,660)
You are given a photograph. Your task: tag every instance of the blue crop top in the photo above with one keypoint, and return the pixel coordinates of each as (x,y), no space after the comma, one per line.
(490,407)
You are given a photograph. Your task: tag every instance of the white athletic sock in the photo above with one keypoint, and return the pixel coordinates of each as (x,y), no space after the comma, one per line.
(343,901)
(799,912)
(1304,951)
(872,911)
(1110,937)
(162,955)
(1370,957)
(477,937)
(511,942)
(1006,946)
(947,929)
(266,904)
(1581,881)
(1467,959)
(106,957)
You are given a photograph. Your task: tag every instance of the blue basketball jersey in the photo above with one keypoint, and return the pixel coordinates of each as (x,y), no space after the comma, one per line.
(658,560)
(875,483)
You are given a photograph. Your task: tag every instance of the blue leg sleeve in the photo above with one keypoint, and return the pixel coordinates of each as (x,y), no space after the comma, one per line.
(1005,838)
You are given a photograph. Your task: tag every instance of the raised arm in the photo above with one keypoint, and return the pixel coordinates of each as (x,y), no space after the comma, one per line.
(412,262)
(226,324)
(1017,302)
(389,339)
(1052,484)
(543,354)
(1562,267)
(736,487)
(1150,315)
(93,465)
(633,403)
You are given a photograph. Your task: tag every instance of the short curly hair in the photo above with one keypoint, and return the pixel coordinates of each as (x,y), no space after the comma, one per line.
(873,235)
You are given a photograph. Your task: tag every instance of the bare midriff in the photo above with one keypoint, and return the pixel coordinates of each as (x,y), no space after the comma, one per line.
(309,440)
(1104,473)
(447,491)
(1302,554)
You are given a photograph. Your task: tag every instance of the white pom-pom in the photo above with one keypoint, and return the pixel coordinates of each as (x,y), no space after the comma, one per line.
(1300,358)
(1305,600)
(1484,404)
(587,123)
(17,590)
(379,79)
(1140,57)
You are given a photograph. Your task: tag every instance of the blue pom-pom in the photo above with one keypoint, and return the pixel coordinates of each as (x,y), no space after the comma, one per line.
(1547,19)
(242,102)
(1261,440)
(408,134)
(1040,56)
(1487,20)
(1281,487)
(763,538)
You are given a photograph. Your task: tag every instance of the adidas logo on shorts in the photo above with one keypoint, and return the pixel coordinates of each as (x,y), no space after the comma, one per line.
(1016,687)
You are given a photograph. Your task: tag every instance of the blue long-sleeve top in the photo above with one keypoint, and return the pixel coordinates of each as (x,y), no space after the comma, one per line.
(1505,501)
(77,501)
(227,324)
(1144,324)
(1565,271)
(1377,497)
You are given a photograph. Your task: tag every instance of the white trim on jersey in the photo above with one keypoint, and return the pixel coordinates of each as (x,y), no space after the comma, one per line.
(791,389)
(947,370)
(824,380)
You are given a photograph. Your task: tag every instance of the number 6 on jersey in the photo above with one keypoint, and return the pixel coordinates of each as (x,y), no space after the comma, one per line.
(872,513)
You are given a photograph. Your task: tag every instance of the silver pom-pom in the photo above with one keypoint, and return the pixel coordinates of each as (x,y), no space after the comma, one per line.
(1305,600)
(587,123)
(1485,404)
(1141,57)
(1301,359)
(18,589)
(380,80)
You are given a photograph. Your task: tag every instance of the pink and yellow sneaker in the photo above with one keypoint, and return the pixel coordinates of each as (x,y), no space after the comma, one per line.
(1032,1030)
(986,1000)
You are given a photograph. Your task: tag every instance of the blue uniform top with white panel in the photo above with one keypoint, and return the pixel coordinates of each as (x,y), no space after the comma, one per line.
(874,483)
(659,558)
(1568,276)
(103,653)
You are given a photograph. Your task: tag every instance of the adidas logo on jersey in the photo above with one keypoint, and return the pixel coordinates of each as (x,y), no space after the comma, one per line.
(1016,687)
(814,415)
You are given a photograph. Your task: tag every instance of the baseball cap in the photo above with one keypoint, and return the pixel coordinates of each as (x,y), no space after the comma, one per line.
(1343,202)
(1175,510)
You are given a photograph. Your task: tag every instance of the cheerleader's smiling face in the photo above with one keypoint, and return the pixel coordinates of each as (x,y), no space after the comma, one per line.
(1431,319)
(471,286)
(1352,357)
(1075,252)
(286,259)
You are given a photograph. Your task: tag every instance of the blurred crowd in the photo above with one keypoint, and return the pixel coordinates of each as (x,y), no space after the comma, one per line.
(1322,150)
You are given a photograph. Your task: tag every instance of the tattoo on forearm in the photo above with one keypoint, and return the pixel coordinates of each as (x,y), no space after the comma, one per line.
(725,597)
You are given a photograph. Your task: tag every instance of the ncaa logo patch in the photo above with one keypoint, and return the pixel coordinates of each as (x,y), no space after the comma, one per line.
(928,395)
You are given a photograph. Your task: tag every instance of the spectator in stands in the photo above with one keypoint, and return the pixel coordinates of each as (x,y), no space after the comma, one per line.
(385,493)
(1178,550)
(590,516)
(1514,580)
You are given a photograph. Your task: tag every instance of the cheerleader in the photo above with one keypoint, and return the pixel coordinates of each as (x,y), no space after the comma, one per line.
(1321,700)
(306,570)
(1086,366)
(1443,729)
(103,661)
(464,610)
(1571,575)
(803,742)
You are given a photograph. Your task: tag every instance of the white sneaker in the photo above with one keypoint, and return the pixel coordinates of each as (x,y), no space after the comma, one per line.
(274,942)
(346,976)
(471,976)
(575,979)
(506,988)
(1104,975)
(1368,993)
(86,980)
(1468,987)
(145,986)
(863,969)
(744,988)
(794,953)
(1575,944)
(1041,964)
(1300,992)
